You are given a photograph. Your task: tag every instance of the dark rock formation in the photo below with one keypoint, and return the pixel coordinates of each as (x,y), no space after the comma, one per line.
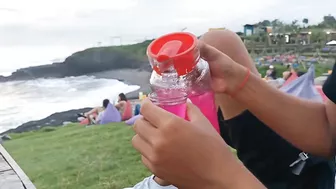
(53,120)
(88,61)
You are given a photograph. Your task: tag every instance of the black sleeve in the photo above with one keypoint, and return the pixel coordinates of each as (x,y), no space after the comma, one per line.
(224,128)
(329,87)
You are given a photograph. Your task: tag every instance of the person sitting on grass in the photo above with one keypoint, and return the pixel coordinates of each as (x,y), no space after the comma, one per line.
(94,119)
(285,76)
(84,118)
(124,106)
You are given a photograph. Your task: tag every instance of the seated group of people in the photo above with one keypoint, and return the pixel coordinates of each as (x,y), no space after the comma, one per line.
(272,79)
(122,111)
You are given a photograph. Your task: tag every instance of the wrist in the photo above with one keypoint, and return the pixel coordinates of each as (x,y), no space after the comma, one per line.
(232,175)
(237,77)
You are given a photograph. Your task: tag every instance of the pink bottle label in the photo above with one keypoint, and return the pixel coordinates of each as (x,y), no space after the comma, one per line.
(178,109)
(206,103)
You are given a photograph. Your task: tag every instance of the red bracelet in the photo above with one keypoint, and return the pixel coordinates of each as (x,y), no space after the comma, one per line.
(242,84)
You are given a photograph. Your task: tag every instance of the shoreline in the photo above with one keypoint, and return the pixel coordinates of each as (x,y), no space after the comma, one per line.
(56,119)
(129,77)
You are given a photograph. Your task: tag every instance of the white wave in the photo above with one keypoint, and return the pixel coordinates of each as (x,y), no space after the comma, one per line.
(22,101)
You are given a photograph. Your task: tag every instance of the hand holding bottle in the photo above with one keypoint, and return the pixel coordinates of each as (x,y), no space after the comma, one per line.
(189,154)
(226,74)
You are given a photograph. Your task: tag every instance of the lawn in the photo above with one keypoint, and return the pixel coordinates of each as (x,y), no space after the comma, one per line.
(71,157)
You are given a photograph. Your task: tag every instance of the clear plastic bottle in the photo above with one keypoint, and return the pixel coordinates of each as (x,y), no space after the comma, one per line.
(179,71)
(168,91)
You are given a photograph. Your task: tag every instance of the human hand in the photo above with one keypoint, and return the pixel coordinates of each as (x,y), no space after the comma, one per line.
(161,182)
(189,154)
(226,74)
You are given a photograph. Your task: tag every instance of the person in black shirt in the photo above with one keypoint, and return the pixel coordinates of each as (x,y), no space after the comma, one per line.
(296,120)
(310,126)
(329,87)
(192,154)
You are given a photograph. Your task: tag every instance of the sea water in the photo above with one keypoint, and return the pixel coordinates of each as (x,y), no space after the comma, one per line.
(23,101)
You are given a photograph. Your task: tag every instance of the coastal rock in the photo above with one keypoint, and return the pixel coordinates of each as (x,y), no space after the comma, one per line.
(6,137)
(54,120)
(88,61)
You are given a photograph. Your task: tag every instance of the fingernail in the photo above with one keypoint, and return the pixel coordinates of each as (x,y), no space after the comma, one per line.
(188,100)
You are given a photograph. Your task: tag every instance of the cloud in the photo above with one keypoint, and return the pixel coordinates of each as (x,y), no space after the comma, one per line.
(83,23)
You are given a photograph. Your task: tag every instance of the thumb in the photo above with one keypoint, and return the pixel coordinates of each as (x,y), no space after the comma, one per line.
(208,52)
(194,113)
(218,61)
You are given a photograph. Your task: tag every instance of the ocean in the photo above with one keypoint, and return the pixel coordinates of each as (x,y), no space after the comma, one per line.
(23,101)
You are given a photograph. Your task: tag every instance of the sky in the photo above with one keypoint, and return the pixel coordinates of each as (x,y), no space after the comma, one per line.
(38,32)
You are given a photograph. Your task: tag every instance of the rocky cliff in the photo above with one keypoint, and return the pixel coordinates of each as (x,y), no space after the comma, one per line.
(88,61)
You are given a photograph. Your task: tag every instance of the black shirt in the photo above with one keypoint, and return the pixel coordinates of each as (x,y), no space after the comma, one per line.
(262,151)
(329,87)
(267,155)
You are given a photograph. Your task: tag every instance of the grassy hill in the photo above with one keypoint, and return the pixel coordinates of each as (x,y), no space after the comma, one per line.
(71,157)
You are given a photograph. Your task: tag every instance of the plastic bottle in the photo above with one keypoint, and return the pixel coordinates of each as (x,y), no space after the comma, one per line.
(175,59)
(168,92)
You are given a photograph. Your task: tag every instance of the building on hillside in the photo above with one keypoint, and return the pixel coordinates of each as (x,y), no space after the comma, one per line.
(211,29)
(248,29)
(302,38)
(330,34)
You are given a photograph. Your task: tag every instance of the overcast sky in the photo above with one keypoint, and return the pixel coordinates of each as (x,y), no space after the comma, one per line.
(40,30)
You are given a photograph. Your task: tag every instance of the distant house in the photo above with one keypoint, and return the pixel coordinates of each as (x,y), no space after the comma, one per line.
(331,34)
(250,29)
(211,29)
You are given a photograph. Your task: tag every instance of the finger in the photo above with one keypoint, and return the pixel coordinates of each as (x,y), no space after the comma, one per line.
(208,52)
(151,167)
(216,59)
(154,114)
(148,164)
(142,146)
(194,113)
(145,130)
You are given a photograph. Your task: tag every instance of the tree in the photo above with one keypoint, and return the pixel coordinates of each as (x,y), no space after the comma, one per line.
(328,21)
(294,27)
(278,26)
(305,22)
(317,36)
(275,23)
(266,23)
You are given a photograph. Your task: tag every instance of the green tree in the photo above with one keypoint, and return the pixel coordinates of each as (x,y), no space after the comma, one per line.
(328,22)
(317,36)
(266,23)
(305,22)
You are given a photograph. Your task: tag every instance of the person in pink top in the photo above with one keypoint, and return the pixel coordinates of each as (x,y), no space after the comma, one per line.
(124,106)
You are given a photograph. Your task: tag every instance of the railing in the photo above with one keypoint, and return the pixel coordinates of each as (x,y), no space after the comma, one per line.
(11,175)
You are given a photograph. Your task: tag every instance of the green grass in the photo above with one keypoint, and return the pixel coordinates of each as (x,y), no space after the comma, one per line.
(319,69)
(71,157)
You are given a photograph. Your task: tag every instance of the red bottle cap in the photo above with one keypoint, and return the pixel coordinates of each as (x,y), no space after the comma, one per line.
(177,49)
